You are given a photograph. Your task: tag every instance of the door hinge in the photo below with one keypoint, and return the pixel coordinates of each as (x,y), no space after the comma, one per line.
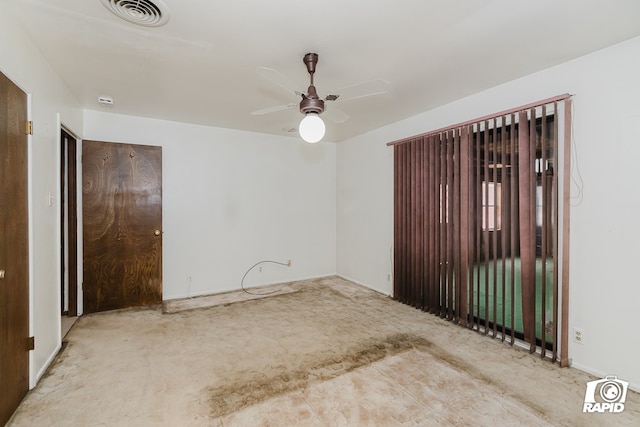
(29,127)
(31,343)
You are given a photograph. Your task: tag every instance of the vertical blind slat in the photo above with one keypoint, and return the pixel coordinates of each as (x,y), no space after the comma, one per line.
(396,217)
(457,253)
(442,280)
(515,252)
(478,223)
(422,225)
(414,223)
(494,228)
(533,143)
(451,224)
(527,255)
(564,340)
(543,233)
(463,305)
(404,220)
(554,220)
(434,224)
(503,224)
(485,224)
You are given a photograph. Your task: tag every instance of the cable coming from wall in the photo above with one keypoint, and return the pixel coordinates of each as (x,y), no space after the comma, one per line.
(287,264)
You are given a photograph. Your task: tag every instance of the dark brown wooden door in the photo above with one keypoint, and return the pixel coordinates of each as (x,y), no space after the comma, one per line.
(14,249)
(122,225)
(68,226)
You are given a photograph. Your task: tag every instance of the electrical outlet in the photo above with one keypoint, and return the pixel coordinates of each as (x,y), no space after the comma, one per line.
(388,277)
(260,269)
(578,335)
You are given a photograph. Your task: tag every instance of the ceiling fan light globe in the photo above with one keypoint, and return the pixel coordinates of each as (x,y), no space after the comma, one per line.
(311,128)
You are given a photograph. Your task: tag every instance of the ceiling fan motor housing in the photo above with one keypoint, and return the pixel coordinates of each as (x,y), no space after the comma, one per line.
(311,103)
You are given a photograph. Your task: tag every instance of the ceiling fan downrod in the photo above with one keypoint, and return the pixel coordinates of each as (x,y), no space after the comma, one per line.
(311,103)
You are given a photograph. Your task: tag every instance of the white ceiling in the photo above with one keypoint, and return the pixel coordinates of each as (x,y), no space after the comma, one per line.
(201,67)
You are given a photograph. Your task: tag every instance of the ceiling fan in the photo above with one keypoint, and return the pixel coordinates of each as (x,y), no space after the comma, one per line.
(312,127)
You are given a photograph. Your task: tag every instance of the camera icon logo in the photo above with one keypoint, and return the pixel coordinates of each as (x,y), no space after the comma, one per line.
(605,395)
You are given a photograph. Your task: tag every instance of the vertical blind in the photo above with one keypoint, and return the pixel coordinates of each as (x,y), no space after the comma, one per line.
(477,226)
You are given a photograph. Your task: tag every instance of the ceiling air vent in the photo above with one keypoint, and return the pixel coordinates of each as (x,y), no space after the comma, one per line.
(142,12)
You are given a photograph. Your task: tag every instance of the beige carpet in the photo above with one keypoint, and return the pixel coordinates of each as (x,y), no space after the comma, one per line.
(324,352)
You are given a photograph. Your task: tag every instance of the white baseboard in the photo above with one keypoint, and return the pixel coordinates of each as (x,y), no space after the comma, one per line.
(234,289)
(45,366)
(600,374)
(385,293)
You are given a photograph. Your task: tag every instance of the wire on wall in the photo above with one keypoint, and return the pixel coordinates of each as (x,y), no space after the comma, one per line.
(287,264)
(576,175)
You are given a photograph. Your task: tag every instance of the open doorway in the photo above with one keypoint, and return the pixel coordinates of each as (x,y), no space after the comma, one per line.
(68,230)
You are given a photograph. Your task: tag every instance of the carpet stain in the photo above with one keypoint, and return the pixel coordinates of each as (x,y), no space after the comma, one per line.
(476,373)
(258,387)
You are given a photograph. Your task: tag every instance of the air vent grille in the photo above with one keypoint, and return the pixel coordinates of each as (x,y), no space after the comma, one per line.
(141,12)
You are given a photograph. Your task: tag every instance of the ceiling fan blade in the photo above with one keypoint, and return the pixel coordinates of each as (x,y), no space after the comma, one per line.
(278,79)
(360,90)
(335,115)
(274,109)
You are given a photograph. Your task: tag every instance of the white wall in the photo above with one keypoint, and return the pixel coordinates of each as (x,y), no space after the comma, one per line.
(51,103)
(605,230)
(231,199)
(365,212)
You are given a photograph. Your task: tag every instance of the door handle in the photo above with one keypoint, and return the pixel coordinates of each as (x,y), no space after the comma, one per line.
(1,274)
(157,232)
